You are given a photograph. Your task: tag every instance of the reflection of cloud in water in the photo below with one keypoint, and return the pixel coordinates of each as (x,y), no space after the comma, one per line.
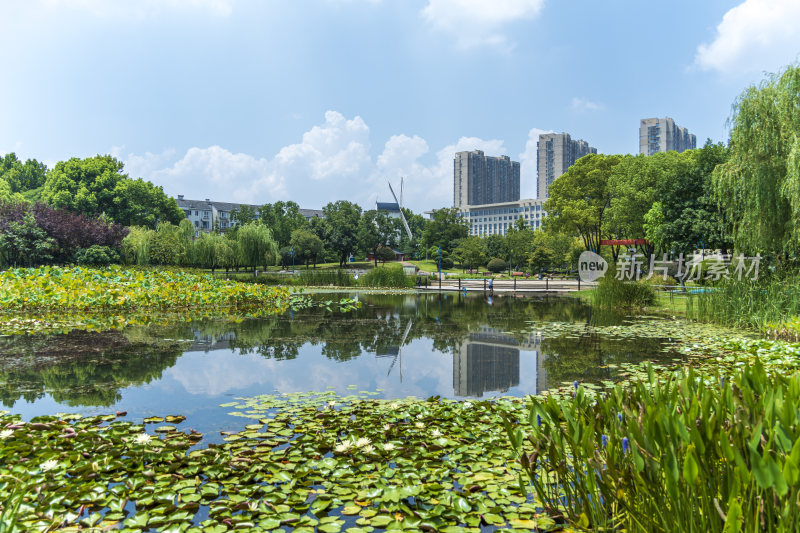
(425,372)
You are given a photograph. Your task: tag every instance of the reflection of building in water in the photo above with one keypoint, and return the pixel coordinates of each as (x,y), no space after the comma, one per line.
(489,361)
(206,343)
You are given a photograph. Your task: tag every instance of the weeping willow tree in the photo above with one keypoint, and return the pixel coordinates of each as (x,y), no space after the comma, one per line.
(759,186)
(256,245)
(136,246)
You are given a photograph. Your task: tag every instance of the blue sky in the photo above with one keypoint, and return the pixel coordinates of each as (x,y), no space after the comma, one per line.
(319,100)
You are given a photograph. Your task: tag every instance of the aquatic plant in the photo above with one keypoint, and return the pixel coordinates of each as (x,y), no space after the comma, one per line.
(678,452)
(766,304)
(115,288)
(323,277)
(303,461)
(613,293)
(391,276)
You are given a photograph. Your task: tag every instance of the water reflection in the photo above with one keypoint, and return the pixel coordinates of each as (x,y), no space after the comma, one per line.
(419,345)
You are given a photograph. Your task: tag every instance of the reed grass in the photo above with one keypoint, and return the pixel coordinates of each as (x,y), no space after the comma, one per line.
(613,293)
(688,453)
(389,276)
(320,278)
(768,304)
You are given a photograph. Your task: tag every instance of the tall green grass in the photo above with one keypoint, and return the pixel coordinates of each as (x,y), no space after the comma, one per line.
(390,276)
(690,453)
(763,304)
(613,293)
(320,278)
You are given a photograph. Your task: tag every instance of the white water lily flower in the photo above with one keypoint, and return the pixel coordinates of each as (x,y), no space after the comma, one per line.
(419,424)
(363,441)
(343,447)
(142,438)
(369,448)
(389,447)
(48,465)
(331,403)
(467,405)
(394,405)
(387,427)
(419,417)
(6,433)
(436,433)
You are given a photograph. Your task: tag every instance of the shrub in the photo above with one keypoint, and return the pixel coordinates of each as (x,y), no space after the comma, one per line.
(611,292)
(447,263)
(96,256)
(496,265)
(392,276)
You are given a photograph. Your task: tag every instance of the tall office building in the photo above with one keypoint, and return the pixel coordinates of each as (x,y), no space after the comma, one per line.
(663,135)
(556,152)
(479,179)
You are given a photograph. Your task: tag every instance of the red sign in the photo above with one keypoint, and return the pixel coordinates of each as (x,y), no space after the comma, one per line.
(626,242)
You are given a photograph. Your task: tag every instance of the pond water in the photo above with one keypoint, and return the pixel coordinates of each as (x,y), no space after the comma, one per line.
(398,345)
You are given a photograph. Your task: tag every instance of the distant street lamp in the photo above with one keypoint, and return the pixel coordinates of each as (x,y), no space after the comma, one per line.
(292,259)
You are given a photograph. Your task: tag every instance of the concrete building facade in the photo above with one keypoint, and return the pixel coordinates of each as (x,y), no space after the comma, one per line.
(204,214)
(497,218)
(662,135)
(555,153)
(479,179)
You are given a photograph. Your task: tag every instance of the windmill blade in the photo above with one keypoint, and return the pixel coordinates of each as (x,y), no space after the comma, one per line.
(402,216)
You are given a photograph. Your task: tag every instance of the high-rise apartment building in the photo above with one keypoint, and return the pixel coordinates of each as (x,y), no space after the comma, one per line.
(556,152)
(479,179)
(663,135)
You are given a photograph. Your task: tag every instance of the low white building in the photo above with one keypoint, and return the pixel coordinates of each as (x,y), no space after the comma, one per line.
(496,219)
(204,214)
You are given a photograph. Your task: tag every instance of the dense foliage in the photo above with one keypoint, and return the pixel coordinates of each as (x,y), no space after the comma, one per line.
(685,452)
(759,186)
(115,288)
(39,234)
(97,185)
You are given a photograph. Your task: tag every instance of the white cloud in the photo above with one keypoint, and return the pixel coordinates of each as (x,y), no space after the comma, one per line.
(477,22)
(332,162)
(212,172)
(754,36)
(581,105)
(143,8)
(339,147)
(528,167)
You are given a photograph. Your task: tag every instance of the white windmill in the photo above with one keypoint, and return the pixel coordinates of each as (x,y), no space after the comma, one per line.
(400,206)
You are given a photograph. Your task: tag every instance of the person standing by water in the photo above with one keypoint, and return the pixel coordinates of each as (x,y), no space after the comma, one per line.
(491,286)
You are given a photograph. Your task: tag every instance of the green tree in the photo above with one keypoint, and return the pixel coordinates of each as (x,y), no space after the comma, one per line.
(369,235)
(282,218)
(471,252)
(136,246)
(445,229)
(416,223)
(22,177)
(686,212)
(496,246)
(384,253)
(580,197)
(25,243)
(519,242)
(245,214)
(307,246)
(256,245)
(97,185)
(342,218)
(759,186)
